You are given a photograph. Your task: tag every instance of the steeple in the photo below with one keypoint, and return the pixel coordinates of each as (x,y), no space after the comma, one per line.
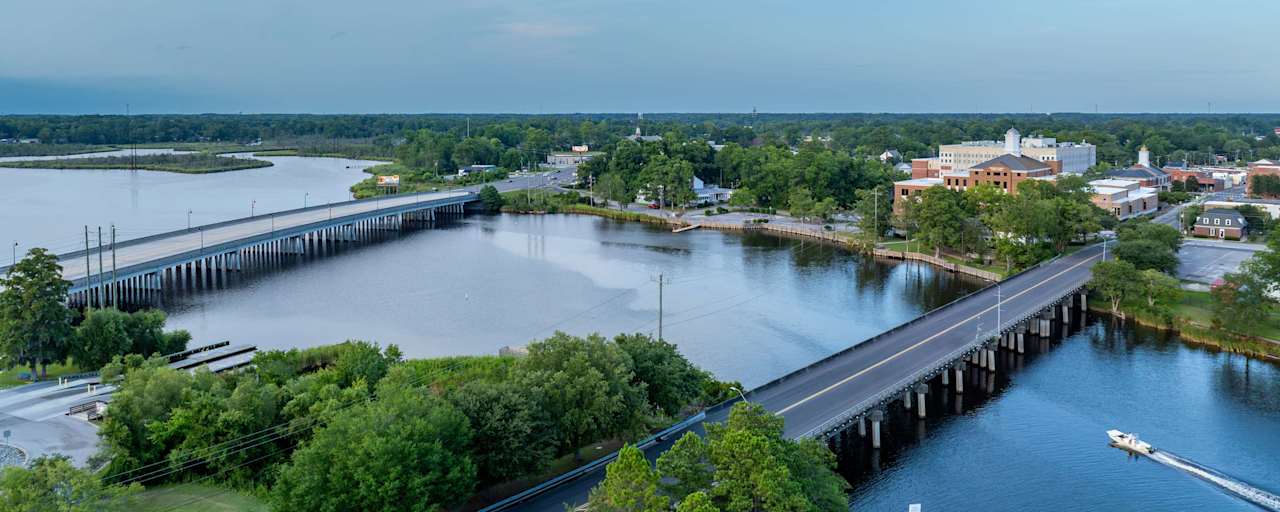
(1013,142)
(1144,156)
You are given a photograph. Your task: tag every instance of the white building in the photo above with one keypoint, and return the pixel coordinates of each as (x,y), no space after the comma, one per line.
(1076,157)
(1124,199)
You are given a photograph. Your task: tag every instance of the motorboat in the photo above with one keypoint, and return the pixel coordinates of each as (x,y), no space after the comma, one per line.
(1129,441)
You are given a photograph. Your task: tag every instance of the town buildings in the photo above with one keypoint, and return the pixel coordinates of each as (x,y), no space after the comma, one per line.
(577,156)
(1262,167)
(1072,157)
(1143,172)
(1220,223)
(1003,171)
(1124,199)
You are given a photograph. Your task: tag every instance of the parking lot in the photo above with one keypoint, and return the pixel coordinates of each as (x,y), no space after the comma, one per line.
(1203,261)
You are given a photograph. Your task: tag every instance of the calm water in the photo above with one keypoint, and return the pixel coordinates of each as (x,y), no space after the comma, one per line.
(1038,442)
(746,307)
(49,208)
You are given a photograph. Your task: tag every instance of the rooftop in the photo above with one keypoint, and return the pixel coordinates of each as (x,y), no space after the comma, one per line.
(1013,163)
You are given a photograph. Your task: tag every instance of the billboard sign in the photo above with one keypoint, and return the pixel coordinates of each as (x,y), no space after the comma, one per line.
(389,181)
(581,149)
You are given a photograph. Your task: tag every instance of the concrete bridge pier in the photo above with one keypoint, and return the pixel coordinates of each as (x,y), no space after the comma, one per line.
(959,368)
(862,426)
(982,357)
(1066,311)
(1019,341)
(1033,325)
(991,359)
(906,400)
(1084,301)
(877,416)
(946,377)
(921,390)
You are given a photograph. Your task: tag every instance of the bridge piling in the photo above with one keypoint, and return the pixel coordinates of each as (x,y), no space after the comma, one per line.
(921,390)
(960,367)
(906,400)
(862,426)
(945,376)
(877,416)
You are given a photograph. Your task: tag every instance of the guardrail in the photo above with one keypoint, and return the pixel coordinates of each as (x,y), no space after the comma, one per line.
(933,312)
(929,371)
(573,474)
(243,220)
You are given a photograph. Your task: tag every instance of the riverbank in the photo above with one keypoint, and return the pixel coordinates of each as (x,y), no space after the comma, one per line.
(183,163)
(1192,321)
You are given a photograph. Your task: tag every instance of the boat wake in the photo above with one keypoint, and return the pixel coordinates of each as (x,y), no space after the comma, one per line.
(1248,492)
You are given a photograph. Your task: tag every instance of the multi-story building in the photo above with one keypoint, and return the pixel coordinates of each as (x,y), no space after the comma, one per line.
(1124,199)
(1004,171)
(1073,157)
(1262,167)
(1142,172)
(1220,223)
(1179,172)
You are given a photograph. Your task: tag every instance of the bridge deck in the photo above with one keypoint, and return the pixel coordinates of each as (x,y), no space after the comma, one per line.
(190,243)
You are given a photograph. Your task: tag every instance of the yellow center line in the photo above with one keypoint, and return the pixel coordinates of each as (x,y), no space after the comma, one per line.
(927,340)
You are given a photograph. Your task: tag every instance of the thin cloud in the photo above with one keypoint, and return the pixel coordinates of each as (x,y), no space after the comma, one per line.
(543,30)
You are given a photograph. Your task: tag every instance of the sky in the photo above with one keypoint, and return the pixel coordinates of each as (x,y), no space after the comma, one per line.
(563,56)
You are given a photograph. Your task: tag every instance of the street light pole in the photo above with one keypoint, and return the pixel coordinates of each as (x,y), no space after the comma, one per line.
(304,199)
(15,253)
(744,397)
(253,204)
(188,219)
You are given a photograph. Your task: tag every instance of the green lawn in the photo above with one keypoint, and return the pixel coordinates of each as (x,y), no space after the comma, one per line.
(196,497)
(922,248)
(1197,307)
(9,378)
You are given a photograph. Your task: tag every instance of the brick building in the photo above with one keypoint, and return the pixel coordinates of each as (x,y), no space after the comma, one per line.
(1261,168)
(1220,223)
(1142,172)
(1124,199)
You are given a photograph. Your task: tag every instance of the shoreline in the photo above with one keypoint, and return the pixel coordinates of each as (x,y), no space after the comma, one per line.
(773,229)
(1196,334)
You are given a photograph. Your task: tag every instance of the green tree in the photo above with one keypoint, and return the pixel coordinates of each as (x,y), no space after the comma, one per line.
(511,434)
(686,466)
(670,380)
(875,211)
(939,215)
(1241,301)
(404,451)
(630,485)
(800,203)
(612,187)
(1161,291)
(697,502)
(146,332)
(1144,229)
(743,198)
(52,483)
(35,324)
(1189,216)
(1116,281)
(102,335)
(1147,254)
(587,386)
(490,198)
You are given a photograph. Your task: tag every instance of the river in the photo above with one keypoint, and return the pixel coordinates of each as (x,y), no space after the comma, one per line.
(746,307)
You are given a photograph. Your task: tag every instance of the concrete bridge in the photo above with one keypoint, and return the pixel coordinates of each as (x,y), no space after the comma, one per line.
(135,272)
(853,390)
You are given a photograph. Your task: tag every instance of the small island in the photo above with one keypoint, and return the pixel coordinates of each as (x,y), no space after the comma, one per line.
(186,163)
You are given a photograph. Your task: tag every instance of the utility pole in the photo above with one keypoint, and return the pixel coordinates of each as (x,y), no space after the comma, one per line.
(115,294)
(875,208)
(661,281)
(87,270)
(100,283)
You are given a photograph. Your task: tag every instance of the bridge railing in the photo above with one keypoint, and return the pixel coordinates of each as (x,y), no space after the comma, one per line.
(927,315)
(940,364)
(286,232)
(243,220)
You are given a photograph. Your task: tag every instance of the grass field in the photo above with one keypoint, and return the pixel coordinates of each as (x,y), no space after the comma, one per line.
(919,247)
(196,498)
(10,378)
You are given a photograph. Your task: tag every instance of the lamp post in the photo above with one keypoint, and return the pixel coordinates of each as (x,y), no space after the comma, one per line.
(188,219)
(304,199)
(15,253)
(744,397)
(253,203)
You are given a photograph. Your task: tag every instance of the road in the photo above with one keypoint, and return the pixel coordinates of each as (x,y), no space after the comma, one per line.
(810,398)
(199,237)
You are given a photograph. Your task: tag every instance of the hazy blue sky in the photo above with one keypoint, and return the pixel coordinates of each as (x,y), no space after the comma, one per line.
(70,56)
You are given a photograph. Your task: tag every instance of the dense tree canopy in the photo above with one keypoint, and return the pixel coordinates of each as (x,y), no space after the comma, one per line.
(35,325)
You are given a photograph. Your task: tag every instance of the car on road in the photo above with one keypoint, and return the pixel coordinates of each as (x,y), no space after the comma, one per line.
(652,206)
